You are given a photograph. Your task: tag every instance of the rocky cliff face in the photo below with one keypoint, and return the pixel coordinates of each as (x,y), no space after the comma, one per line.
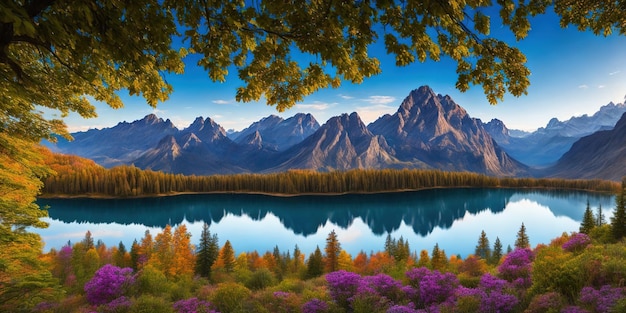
(437,131)
(344,142)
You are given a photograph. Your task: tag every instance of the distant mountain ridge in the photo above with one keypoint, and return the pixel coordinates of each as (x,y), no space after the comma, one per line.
(427,131)
(599,155)
(546,145)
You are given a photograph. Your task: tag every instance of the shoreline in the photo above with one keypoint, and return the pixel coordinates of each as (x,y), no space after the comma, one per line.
(288,195)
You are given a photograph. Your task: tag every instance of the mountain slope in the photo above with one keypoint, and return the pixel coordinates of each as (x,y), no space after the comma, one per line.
(342,143)
(435,130)
(547,144)
(600,155)
(117,145)
(278,134)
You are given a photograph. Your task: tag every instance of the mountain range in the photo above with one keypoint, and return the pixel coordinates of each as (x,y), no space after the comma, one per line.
(427,131)
(543,147)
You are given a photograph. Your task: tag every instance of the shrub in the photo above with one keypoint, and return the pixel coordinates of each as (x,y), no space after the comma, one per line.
(151,304)
(516,267)
(577,243)
(601,300)
(551,302)
(261,279)
(315,306)
(193,305)
(108,283)
(230,297)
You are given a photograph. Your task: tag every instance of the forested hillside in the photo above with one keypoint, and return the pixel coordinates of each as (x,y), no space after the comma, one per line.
(79,177)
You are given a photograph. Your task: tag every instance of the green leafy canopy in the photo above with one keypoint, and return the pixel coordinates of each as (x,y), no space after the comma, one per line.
(59,54)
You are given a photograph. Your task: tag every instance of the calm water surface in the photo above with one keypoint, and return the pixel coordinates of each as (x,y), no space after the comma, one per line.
(453,218)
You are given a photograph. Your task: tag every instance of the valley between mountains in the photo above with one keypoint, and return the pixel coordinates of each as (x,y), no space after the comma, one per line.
(428,131)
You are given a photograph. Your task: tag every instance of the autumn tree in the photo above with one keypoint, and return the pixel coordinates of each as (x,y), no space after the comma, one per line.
(163,256)
(183,262)
(207,253)
(332,250)
(483,250)
(522,241)
(588,222)
(226,257)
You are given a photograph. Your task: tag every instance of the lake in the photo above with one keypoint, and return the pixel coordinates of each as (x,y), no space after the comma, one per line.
(453,218)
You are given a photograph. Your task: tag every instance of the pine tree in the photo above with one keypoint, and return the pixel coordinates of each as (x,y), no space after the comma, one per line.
(497,252)
(522,240)
(315,264)
(134,255)
(333,248)
(390,245)
(297,255)
(600,220)
(588,222)
(483,250)
(438,260)
(618,221)
(207,252)
(424,260)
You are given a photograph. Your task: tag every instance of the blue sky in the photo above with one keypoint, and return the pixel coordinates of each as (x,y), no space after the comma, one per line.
(573,73)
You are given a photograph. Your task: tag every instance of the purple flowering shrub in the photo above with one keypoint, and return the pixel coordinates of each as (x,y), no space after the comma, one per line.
(193,305)
(431,287)
(577,242)
(121,304)
(546,303)
(516,268)
(315,306)
(601,300)
(384,286)
(574,309)
(490,296)
(343,286)
(108,283)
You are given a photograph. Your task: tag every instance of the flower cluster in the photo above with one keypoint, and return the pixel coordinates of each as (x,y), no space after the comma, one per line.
(577,242)
(193,305)
(551,301)
(516,267)
(601,300)
(108,284)
(315,306)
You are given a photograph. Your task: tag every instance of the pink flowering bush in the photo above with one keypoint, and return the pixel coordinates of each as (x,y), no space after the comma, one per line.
(577,242)
(108,283)
(431,287)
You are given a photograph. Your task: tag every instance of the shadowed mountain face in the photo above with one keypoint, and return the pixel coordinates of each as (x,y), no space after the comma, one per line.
(438,132)
(599,155)
(118,145)
(546,145)
(427,131)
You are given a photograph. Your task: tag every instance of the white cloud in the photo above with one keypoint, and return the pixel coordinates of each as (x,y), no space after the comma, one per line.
(583,87)
(345,97)
(379,99)
(371,113)
(220,101)
(614,73)
(316,105)
(158,112)
(601,86)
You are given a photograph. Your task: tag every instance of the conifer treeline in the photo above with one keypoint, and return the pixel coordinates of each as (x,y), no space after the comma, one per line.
(129,181)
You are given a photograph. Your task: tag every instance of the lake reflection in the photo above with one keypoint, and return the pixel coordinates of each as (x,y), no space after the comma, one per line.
(453,218)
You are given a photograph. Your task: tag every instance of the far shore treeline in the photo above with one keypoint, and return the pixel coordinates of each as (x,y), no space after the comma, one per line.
(75,176)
